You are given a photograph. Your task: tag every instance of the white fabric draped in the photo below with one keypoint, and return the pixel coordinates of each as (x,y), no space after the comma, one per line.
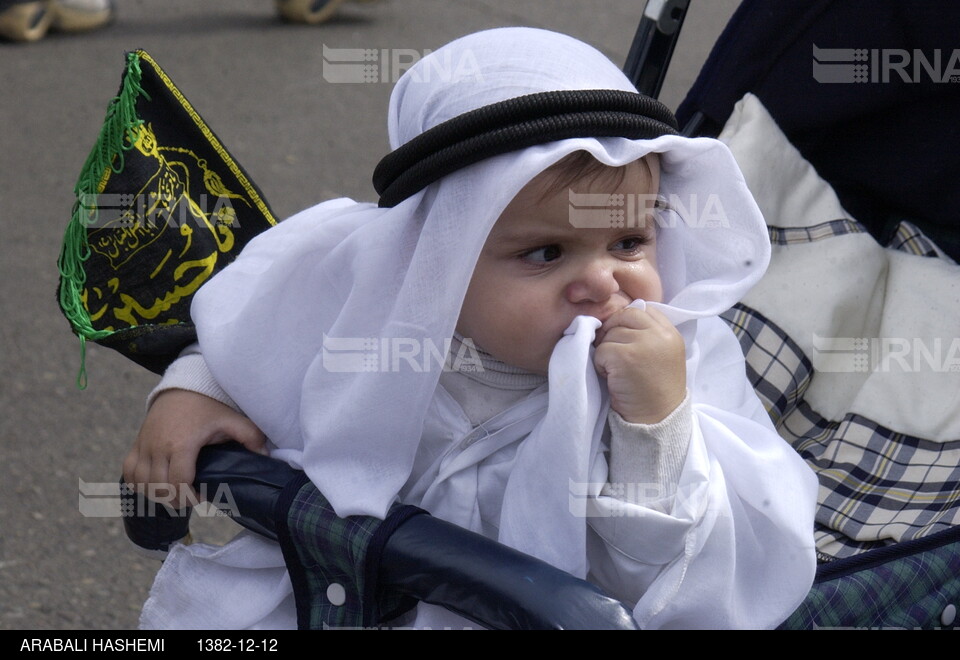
(731,547)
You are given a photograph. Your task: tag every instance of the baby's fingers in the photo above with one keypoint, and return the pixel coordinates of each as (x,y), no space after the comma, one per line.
(241,429)
(131,464)
(659,318)
(179,480)
(629,317)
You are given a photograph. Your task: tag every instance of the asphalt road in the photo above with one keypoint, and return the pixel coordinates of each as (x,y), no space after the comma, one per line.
(258,83)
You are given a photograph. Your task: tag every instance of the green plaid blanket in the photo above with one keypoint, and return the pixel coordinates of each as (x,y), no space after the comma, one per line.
(334,562)
(912,585)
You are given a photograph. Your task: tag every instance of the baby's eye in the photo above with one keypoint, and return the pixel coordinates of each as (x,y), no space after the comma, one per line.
(631,243)
(543,254)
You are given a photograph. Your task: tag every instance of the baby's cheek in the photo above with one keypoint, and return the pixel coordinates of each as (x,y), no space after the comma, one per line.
(658,295)
(646,284)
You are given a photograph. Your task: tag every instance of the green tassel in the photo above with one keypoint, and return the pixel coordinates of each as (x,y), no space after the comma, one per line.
(116,137)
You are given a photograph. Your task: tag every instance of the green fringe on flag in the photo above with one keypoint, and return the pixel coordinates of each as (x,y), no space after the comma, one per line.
(114,139)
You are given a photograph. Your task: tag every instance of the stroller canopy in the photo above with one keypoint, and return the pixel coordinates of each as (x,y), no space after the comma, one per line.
(869,94)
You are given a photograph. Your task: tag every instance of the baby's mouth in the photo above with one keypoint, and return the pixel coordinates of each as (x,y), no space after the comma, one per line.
(610,310)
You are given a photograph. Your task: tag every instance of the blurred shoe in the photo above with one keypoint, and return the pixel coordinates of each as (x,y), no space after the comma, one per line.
(80,15)
(307,11)
(24,21)
(30,20)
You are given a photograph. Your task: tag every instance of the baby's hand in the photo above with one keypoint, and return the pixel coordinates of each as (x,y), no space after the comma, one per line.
(642,356)
(163,460)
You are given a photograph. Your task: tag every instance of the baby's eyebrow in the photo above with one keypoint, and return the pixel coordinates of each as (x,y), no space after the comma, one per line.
(535,237)
(538,233)
(524,238)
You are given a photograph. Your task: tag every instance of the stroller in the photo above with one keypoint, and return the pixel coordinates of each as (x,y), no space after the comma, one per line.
(905,578)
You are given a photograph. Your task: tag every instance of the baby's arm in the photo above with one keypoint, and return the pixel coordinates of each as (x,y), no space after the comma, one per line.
(646,459)
(642,356)
(186,412)
(732,545)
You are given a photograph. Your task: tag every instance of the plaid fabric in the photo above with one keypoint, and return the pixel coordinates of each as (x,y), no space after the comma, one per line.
(909,238)
(333,561)
(789,235)
(910,590)
(777,368)
(877,486)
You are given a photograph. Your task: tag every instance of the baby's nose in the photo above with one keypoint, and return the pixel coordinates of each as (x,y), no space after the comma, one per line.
(594,281)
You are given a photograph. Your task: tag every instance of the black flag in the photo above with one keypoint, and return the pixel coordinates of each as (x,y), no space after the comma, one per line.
(161,206)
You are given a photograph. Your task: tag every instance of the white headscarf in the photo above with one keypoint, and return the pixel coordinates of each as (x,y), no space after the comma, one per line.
(352,270)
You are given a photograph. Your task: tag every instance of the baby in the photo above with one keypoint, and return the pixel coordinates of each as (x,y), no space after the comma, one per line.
(606,424)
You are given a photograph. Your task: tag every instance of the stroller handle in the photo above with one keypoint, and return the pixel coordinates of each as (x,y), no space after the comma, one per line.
(653,44)
(422,558)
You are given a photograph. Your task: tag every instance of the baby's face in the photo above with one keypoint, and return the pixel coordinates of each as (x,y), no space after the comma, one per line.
(537,271)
